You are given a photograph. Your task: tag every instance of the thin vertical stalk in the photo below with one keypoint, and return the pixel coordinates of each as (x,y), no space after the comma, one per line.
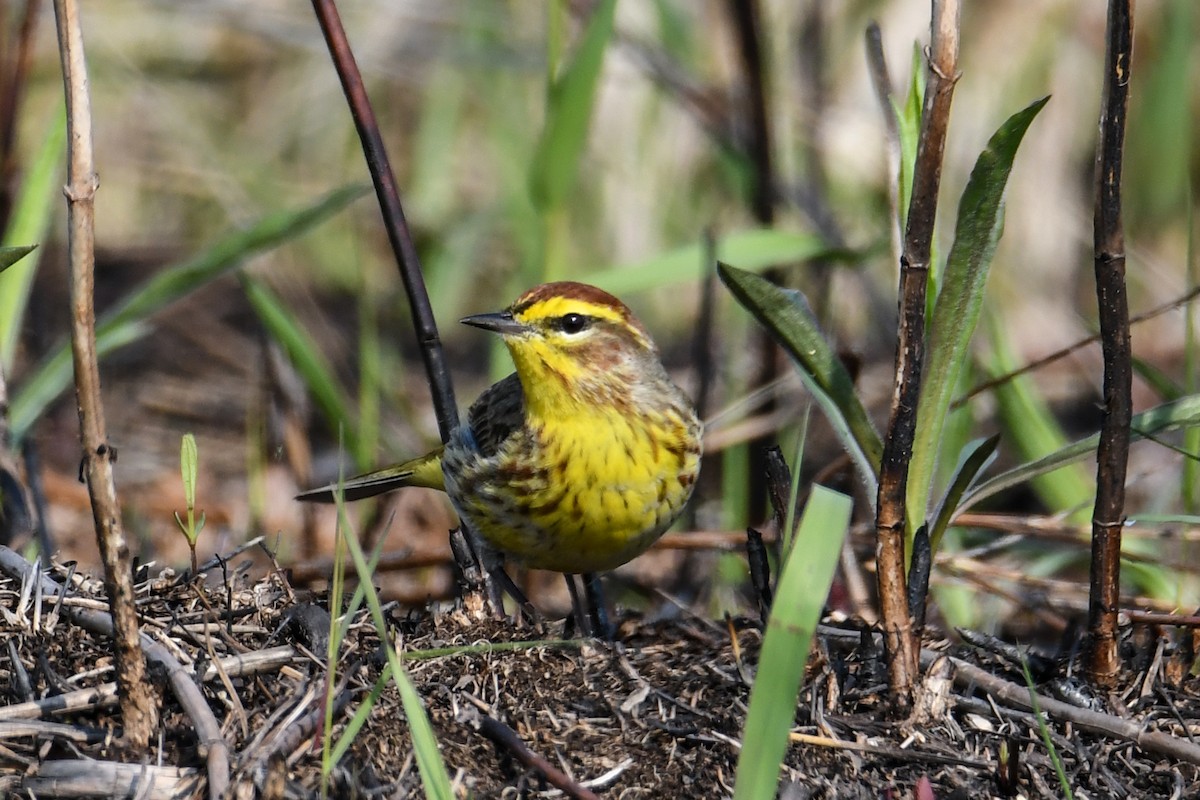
(747,19)
(704,359)
(394,220)
(138,710)
(1112,454)
(882,82)
(746,16)
(910,352)
(12,85)
(471,560)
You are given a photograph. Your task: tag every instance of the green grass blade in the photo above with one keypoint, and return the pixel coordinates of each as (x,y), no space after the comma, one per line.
(11,255)
(55,373)
(306,357)
(1031,429)
(803,586)
(977,456)
(787,316)
(1191,520)
(1182,413)
(1160,382)
(755,250)
(1044,729)
(359,719)
(908,124)
(569,112)
(121,324)
(370,383)
(273,230)
(32,210)
(434,778)
(1159,149)
(976,235)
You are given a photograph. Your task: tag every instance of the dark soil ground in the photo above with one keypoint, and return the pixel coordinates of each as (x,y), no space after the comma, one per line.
(657,714)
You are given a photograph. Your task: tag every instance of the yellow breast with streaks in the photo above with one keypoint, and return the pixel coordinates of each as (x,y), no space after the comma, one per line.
(600,491)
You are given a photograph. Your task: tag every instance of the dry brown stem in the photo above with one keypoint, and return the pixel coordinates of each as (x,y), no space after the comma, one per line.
(890,523)
(137,701)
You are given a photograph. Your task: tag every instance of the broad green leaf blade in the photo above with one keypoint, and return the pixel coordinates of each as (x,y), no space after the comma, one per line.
(1182,413)
(569,113)
(119,325)
(32,210)
(305,356)
(785,314)
(976,234)
(975,458)
(11,255)
(803,586)
(756,249)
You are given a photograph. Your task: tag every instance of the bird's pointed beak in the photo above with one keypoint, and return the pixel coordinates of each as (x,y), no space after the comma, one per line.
(500,322)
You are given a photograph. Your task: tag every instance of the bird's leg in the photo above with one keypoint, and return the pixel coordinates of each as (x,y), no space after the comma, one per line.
(481,570)
(579,614)
(491,580)
(597,610)
(505,582)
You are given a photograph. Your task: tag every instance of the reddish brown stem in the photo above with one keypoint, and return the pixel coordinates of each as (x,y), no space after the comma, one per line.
(1113,453)
(472,560)
(910,353)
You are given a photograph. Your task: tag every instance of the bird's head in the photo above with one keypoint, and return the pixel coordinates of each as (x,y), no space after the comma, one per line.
(572,342)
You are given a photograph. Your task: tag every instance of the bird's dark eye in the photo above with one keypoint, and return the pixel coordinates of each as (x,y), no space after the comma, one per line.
(573,323)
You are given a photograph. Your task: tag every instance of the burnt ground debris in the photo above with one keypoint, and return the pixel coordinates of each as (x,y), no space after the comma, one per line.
(659,712)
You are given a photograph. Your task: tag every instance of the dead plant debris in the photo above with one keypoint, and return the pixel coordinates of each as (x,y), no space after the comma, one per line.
(658,714)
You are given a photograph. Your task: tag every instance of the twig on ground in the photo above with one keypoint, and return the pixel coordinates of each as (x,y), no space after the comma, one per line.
(208,732)
(105,694)
(507,739)
(897,753)
(969,675)
(91,778)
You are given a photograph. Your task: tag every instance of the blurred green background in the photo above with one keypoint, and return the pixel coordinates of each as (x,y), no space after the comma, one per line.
(212,115)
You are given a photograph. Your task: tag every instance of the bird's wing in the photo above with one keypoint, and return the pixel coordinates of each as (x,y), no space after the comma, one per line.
(496,414)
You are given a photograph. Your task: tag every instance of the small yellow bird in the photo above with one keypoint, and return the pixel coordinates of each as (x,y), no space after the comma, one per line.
(580,460)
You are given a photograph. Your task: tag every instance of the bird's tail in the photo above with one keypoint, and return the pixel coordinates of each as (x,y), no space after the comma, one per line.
(424,471)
